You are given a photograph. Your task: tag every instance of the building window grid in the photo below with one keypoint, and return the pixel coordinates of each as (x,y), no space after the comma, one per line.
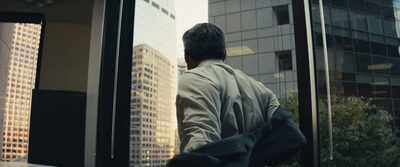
(14,126)
(389,74)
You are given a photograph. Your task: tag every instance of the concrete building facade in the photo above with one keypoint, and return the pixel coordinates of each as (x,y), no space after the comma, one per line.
(152,108)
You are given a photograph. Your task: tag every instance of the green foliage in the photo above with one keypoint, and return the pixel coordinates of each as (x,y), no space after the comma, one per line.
(362,134)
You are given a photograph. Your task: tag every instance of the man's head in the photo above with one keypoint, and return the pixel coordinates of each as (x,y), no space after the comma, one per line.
(203,41)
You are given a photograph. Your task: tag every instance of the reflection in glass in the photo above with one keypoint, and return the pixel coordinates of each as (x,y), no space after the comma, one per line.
(152,132)
(260,42)
(375,24)
(340,17)
(356,5)
(373,8)
(362,81)
(358,21)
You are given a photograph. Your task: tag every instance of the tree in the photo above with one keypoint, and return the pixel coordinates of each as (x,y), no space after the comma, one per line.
(362,134)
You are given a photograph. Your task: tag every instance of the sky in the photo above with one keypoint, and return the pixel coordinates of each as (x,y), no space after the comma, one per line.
(188,14)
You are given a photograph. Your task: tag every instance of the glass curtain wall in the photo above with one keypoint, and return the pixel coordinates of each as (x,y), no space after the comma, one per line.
(360,75)
(260,42)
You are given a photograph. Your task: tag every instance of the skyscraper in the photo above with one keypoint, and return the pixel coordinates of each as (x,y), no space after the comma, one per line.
(155,26)
(362,43)
(152,108)
(6,36)
(153,83)
(363,48)
(18,80)
(260,40)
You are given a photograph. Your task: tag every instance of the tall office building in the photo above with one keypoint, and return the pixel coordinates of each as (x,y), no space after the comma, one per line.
(362,39)
(155,26)
(363,49)
(6,36)
(153,83)
(152,108)
(17,82)
(260,40)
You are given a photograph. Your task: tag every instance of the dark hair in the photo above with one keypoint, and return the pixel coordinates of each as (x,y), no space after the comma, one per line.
(204,41)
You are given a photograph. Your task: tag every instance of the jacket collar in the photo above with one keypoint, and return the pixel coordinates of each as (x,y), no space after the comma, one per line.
(207,62)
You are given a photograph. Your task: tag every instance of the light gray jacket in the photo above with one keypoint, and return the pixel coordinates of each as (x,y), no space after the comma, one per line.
(215,101)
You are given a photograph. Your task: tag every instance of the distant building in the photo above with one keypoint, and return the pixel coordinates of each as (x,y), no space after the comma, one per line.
(152,108)
(362,38)
(153,83)
(18,73)
(6,38)
(182,66)
(259,40)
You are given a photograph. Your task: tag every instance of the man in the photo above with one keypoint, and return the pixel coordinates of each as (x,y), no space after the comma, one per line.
(216,102)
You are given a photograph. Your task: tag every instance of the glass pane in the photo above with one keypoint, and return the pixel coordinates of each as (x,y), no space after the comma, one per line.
(340,17)
(358,21)
(341,3)
(375,24)
(389,27)
(260,42)
(363,106)
(152,132)
(18,61)
(356,5)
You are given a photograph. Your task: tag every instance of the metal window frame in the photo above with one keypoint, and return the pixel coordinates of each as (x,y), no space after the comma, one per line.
(306,76)
(113,117)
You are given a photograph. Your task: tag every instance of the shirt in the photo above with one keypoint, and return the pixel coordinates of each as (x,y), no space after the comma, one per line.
(215,101)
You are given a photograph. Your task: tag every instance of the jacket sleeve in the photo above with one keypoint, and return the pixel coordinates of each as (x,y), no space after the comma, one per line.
(198,105)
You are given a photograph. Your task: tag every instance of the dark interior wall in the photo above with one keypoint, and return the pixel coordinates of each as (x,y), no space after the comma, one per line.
(57,128)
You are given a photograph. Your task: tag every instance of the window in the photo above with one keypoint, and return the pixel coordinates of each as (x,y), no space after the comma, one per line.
(155,5)
(375,24)
(281,14)
(340,17)
(373,8)
(358,21)
(284,60)
(164,11)
(341,3)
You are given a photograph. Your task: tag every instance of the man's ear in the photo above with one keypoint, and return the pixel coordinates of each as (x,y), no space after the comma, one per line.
(190,62)
(186,56)
(225,56)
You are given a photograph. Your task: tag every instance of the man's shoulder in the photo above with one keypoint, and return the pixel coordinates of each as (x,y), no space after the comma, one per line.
(207,70)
